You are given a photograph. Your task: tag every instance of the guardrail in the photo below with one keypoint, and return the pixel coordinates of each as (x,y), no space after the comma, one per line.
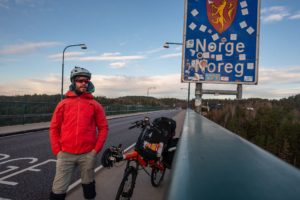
(18,112)
(213,163)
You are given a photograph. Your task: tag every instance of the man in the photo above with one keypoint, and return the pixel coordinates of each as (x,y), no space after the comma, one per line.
(78,131)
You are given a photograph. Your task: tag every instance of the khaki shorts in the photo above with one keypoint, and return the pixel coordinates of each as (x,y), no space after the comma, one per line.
(65,166)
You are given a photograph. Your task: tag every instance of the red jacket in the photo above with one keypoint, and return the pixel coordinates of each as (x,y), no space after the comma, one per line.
(74,122)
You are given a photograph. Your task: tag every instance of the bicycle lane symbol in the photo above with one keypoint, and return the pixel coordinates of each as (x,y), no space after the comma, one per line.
(33,168)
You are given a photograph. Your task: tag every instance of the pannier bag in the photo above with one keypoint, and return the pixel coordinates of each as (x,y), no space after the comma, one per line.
(150,145)
(153,142)
(169,152)
(167,126)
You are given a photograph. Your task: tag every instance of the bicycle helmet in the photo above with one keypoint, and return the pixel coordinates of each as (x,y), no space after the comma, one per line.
(79,71)
(105,161)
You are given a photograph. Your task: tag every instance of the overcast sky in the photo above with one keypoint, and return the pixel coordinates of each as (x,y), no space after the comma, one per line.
(125,47)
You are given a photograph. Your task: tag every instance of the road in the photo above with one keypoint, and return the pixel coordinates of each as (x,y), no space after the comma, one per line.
(27,165)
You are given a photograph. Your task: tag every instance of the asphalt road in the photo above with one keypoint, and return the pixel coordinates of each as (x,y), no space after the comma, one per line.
(27,165)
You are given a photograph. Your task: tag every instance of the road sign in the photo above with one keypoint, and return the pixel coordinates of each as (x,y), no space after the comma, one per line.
(221,41)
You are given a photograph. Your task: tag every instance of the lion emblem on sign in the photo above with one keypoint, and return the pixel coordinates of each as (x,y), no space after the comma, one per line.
(221,13)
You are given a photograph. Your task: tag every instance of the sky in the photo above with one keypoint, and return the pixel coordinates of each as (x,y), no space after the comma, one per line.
(125,51)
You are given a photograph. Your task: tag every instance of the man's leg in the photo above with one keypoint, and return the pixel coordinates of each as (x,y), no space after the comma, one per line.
(64,169)
(87,165)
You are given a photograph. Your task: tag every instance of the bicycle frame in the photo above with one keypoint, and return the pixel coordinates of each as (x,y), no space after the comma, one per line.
(135,156)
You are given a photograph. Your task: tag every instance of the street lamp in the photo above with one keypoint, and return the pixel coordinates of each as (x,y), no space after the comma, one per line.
(167,45)
(188,99)
(82,46)
(149,88)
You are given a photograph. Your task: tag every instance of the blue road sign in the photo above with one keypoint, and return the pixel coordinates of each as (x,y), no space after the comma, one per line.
(221,41)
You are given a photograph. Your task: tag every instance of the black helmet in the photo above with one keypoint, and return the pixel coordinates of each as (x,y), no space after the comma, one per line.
(79,71)
(105,160)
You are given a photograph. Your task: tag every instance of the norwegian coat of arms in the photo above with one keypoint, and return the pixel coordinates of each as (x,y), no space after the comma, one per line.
(221,13)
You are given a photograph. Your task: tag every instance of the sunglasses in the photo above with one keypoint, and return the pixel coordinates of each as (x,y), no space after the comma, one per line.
(86,81)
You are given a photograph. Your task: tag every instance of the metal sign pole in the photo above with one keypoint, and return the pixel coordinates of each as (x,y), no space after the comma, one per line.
(239,91)
(189,87)
(198,100)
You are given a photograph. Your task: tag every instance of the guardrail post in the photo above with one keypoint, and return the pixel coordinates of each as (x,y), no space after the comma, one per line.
(23,110)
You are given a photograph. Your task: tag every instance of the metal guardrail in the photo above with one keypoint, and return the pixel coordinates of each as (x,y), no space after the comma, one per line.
(213,163)
(18,112)
(22,112)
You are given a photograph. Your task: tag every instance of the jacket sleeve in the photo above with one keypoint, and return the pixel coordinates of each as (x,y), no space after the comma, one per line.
(102,126)
(55,129)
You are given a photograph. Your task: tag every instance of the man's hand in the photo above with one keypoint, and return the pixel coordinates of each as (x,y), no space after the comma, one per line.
(59,152)
(94,152)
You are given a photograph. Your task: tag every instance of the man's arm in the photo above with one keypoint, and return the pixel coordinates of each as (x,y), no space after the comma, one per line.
(55,128)
(102,126)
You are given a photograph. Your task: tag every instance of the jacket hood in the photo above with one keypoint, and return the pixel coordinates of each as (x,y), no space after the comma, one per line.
(72,94)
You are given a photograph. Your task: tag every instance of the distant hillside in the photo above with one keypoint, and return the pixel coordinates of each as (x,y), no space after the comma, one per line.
(31,98)
(271,124)
(39,108)
(126,100)
(143,100)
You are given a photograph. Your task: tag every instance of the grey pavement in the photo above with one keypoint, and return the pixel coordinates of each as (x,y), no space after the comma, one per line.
(108,180)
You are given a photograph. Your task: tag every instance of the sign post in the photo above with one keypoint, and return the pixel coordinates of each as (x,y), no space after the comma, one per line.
(221,40)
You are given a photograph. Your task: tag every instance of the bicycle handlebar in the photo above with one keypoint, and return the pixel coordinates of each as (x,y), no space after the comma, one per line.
(131,127)
(140,123)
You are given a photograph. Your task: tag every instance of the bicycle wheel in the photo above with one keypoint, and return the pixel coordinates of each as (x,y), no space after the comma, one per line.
(157,176)
(126,187)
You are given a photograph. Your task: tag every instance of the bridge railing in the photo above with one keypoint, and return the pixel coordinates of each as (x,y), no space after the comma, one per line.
(214,163)
(20,112)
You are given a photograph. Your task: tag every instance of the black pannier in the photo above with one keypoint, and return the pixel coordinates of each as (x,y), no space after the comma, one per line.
(169,152)
(153,142)
(149,145)
(166,125)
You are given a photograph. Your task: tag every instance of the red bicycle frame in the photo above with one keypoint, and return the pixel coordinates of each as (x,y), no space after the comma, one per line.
(134,155)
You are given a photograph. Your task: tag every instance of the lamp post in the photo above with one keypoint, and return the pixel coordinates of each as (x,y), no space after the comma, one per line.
(188,99)
(83,46)
(149,88)
(167,45)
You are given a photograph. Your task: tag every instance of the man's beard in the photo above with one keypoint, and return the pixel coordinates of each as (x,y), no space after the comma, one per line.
(80,90)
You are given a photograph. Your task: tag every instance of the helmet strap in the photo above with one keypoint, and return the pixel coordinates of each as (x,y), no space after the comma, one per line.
(72,87)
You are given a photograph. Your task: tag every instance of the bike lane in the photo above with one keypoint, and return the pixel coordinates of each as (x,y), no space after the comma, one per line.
(108,180)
